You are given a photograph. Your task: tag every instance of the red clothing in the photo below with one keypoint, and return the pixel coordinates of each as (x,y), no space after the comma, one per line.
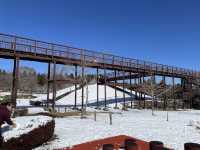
(5,116)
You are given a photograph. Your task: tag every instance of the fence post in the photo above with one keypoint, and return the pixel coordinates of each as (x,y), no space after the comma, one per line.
(65,109)
(58,109)
(110,117)
(95,116)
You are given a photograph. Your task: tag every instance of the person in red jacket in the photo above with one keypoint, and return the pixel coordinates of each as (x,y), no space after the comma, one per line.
(5,114)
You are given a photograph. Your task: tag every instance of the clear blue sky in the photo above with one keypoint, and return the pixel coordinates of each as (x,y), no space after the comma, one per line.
(163,31)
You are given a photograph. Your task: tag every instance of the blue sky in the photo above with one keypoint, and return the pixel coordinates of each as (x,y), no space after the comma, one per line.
(166,32)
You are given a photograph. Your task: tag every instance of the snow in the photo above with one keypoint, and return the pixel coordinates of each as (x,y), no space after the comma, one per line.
(41,97)
(92,95)
(137,123)
(58,93)
(182,127)
(35,110)
(23,102)
(4,93)
(25,125)
(195,123)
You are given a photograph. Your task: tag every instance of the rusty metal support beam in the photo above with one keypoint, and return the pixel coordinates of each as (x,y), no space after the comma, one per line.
(135,81)
(153,78)
(75,100)
(15,81)
(115,89)
(83,84)
(97,87)
(48,84)
(164,96)
(105,93)
(131,91)
(183,89)
(140,94)
(54,85)
(143,80)
(124,97)
(173,90)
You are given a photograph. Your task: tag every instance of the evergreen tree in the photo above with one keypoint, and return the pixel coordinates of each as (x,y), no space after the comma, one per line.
(41,79)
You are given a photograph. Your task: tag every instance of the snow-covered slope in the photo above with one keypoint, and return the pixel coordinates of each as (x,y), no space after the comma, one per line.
(92,95)
(58,93)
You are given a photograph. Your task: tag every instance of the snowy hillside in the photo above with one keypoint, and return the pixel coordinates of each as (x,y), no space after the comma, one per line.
(92,95)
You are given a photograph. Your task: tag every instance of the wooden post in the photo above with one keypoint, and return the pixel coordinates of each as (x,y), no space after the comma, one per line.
(110,117)
(167,116)
(95,116)
(15,81)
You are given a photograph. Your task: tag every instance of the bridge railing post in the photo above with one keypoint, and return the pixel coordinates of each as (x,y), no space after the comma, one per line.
(35,47)
(14,45)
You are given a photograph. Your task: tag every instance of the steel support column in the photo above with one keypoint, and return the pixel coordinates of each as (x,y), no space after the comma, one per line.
(54,85)
(135,91)
(48,83)
(182,95)
(164,96)
(153,78)
(97,87)
(124,98)
(173,92)
(105,83)
(115,89)
(144,96)
(15,81)
(140,94)
(83,84)
(131,91)
(75,102)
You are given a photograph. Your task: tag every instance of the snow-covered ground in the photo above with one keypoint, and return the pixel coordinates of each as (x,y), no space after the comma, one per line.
(24,125)
(35,110)
(23,102)
(137,123)
(182,126)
